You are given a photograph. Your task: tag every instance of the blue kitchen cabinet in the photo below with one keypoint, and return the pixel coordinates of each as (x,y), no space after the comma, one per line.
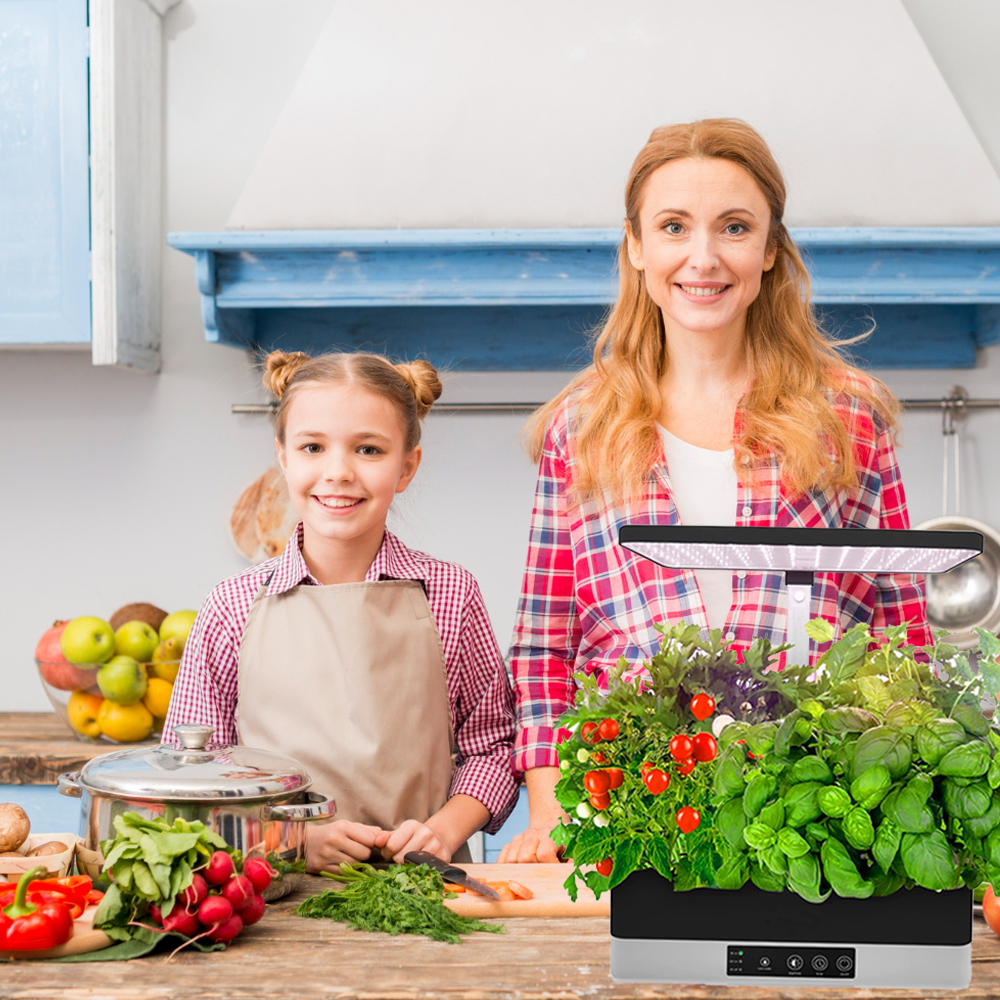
(44,175)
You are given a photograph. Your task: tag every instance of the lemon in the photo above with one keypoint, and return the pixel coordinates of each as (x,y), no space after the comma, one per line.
(82,710)
(125,723)
(157,698)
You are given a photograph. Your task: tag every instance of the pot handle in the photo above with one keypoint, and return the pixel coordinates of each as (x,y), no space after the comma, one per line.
(69,785)
(316,808)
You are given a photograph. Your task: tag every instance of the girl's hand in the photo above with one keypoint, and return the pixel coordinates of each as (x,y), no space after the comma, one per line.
(411,835)
(337,843)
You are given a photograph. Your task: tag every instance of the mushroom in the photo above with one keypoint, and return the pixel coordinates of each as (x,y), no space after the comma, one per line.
(14,826)
(44,850)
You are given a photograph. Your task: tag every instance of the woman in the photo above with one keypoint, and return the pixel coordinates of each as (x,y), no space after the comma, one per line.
(714,398)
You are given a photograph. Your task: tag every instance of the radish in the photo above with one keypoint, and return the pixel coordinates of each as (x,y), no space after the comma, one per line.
(219,868)
(215,910)
(259,872)
(181,921)
(239,891)
(154,912)
(253,911)
(194,893)
(227,930)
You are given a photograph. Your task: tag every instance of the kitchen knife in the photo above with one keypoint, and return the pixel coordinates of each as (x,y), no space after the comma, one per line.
(450,873)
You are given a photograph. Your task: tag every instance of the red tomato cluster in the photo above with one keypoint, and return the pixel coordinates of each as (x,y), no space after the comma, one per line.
(218,903)
(600,784)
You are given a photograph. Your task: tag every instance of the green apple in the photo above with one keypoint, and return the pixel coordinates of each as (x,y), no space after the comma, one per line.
(177,626)
(136,639)
(88,640)
(122,680)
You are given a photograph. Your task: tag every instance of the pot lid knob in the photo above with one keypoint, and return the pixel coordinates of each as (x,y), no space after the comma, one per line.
(193,737)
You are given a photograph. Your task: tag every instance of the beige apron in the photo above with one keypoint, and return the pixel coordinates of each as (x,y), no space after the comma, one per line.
(350,681)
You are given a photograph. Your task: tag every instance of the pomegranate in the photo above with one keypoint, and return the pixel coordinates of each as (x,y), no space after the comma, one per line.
(55,669)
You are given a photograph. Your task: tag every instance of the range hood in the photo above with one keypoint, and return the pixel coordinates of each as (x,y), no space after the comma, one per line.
(526,299)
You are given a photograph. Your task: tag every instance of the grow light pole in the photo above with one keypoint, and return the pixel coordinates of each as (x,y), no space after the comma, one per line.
(800,553)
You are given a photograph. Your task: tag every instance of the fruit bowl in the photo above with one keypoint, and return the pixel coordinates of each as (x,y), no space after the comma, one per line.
(74,695)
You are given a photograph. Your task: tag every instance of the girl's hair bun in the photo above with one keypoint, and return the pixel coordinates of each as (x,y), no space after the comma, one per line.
(422,378)
(280,369)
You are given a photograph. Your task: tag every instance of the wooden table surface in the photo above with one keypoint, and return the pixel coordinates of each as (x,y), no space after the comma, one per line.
(285,957)
(36,747)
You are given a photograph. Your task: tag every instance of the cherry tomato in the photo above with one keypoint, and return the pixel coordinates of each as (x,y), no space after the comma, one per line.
(648,766)
(589,733)
(597,782)
(615,778)
(702,706)
(598,758)
(600,801)
(685,767)
(681,747)
(604,867)
(705,747)
(608,729)
(688,819)
(991,909)
(656,781)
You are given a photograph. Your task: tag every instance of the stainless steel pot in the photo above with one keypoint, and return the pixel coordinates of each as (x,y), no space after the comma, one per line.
(257,801)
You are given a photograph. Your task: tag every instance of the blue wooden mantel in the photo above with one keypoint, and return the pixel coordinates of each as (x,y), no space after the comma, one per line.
(526,299)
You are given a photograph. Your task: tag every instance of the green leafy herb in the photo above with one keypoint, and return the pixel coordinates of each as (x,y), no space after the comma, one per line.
(872,770)
(401,899)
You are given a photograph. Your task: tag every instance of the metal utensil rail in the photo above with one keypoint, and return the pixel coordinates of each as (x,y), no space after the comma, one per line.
(953,406)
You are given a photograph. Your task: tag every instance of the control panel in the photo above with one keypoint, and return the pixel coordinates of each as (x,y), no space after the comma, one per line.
(792,961)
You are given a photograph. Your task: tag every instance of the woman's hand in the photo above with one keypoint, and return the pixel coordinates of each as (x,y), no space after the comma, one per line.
(534,845)
(545,814)
(411,835)
(337,843)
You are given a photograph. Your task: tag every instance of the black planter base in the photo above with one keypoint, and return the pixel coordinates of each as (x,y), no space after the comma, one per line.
(912,939)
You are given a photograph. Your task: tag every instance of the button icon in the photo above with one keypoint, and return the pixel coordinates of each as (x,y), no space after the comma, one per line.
(795,962)
(820,962)
(765,962)
(844,963)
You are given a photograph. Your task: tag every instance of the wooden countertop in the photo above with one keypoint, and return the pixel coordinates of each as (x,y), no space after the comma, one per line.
(285,957)
(36,747)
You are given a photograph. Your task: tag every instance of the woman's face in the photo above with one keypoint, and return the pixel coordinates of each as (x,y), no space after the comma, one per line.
(702,244)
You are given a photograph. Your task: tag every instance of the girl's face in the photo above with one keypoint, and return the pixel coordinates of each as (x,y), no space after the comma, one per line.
(703,244)
(344,459)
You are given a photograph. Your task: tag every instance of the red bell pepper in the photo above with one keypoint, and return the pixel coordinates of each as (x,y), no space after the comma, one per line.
(27,927)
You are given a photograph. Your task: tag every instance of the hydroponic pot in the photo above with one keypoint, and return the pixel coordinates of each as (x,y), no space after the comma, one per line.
(912,939)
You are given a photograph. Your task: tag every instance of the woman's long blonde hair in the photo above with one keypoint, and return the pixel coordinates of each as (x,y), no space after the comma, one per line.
(795,368)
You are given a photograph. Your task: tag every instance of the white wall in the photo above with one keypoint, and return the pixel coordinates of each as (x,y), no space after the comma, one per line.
(117,487)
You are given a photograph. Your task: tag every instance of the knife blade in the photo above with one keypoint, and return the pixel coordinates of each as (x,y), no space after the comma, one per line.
(450,872)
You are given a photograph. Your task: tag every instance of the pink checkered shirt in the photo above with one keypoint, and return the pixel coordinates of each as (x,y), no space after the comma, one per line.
(585,601)
(481,702)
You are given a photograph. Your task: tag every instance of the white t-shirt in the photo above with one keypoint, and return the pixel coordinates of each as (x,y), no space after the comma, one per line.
(703,484)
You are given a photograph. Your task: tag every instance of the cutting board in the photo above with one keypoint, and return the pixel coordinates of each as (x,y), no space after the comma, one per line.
(84,939)
(545,881)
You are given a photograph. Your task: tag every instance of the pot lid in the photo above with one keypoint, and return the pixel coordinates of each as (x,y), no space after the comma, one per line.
(167,774)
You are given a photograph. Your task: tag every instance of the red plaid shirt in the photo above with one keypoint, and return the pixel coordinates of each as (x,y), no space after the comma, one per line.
(482,714)
(586,601)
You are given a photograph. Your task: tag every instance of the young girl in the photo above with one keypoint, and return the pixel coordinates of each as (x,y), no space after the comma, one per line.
(364,660)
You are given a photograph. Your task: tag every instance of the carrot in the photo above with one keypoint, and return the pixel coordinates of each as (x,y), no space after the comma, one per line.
(521,891)
(451,887)
(506,896)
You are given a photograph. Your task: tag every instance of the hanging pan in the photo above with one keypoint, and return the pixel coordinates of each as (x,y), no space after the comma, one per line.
(968,597)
